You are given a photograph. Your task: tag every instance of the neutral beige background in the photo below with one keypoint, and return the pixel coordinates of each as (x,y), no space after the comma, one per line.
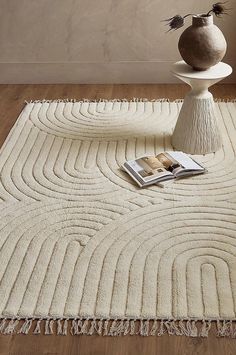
(95,41)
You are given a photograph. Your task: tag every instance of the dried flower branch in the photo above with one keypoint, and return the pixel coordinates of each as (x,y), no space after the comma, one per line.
(219,9)
(175,22)
(178,21)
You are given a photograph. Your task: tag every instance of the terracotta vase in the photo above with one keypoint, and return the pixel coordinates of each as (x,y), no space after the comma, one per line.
(202,44)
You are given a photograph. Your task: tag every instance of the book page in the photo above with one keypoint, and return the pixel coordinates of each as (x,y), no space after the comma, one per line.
(149,168)
(184,160)
(168,162)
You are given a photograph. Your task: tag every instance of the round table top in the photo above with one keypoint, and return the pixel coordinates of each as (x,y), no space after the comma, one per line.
(218,71)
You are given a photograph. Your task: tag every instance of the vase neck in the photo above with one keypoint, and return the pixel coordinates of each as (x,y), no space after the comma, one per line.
(199,20)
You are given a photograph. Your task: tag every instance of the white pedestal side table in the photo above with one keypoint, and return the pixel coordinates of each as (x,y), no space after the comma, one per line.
(196,130)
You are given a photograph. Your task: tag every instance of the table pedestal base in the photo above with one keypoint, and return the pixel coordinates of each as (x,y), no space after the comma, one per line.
(196,130)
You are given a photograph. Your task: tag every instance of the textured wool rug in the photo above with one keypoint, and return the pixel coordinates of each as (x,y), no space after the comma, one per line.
(83,249)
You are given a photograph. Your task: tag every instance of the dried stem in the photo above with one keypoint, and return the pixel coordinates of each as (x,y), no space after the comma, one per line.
(177,21)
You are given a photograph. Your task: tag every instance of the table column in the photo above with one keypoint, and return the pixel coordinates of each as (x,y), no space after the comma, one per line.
(196,130)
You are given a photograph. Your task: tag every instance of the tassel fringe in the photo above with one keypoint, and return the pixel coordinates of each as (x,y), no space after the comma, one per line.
(134,99)
(118,327)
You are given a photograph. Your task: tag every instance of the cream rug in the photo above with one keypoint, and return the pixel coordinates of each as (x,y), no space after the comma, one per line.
(84,250)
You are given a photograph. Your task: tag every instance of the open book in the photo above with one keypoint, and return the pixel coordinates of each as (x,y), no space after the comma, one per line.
(165,166)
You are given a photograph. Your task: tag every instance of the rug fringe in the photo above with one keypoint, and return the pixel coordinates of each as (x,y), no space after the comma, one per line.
(118,327)
(25,328)
(134,99)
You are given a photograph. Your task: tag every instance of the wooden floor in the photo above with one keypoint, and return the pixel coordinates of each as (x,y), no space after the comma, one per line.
(12,99)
